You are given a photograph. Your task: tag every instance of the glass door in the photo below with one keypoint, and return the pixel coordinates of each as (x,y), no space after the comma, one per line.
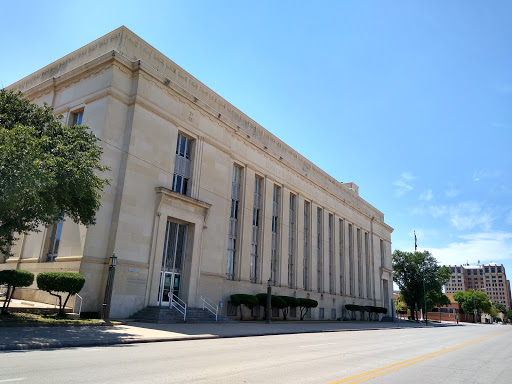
(170,283)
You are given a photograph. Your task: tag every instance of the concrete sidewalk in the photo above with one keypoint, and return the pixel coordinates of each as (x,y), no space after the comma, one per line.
(42,337)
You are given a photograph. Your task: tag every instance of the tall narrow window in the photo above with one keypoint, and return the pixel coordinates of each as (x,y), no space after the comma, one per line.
(55,237)
(382,254)
(359,263)
(274,251)
(255,241)
(233,223)
(368,265)
(341,239)
(351,271)
(181,177)
(291,243)
(319,249)
(306,269)
(332,287)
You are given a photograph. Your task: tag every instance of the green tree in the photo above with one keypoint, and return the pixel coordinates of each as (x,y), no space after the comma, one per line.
(500,307)
(240,299)
(290,302)
(67,282)
(46,168)
(470,300)
(416,272)
(14,278)
(305,304)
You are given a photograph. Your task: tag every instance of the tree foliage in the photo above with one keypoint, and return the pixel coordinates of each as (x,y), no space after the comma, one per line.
(410,270)
(470,300)
(67,282)
(46,168)
(305,304)
(290,302)
(14,278)
(500,307)
(240,299)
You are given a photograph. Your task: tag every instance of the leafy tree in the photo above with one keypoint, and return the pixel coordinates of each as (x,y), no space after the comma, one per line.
(413,269)
(352,309)
(14,278)
(46,168)
(305,304)
(243,299)
(67,282)
(500,307)
(470,300)
(508,314)
(290,302)
(275,301)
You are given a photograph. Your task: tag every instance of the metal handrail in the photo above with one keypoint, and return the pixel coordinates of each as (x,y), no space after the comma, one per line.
(210,305)
(74,304)
(180,305)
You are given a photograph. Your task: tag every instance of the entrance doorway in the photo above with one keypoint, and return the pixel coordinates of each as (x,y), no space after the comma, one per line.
(172,262)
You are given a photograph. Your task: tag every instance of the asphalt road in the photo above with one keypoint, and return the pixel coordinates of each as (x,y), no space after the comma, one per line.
(466,354)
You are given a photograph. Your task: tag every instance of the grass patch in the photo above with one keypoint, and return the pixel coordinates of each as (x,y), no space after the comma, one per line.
(41,318)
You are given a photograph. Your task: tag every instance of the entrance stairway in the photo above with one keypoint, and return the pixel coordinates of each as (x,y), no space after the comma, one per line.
(162,315)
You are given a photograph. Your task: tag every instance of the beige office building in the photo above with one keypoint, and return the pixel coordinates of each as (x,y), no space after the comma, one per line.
(203,201)
(489,278)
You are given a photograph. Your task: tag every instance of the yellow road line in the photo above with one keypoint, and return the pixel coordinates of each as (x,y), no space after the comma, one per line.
(394,367)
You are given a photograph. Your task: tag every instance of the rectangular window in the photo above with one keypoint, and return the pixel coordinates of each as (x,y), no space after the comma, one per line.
(320,313)
(181,177)
(368,265)
(319,249)
(55,237)
(332,287)
(77,117)
(256,223)
(306,269)
(234,221)
(382,254)
(274,250)
(359,263)
(351,270)
(291,242)
(341,240)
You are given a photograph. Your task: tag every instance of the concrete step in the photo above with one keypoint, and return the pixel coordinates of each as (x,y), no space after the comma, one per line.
(164,315)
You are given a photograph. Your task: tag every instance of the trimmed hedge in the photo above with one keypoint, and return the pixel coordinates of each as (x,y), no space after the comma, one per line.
(14,278)
(290,302)
(67,282)
(244,299)
(306,304)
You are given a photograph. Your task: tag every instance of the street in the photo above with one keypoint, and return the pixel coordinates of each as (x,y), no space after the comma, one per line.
(464,354)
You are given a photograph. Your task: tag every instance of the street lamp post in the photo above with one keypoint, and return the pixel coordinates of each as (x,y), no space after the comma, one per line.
(269,301)
(112,262)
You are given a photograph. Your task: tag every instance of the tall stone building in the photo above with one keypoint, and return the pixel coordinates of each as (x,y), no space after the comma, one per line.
(203,201)
(488,278)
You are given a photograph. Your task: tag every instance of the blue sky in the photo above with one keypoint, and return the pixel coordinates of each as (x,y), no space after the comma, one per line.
(411,100)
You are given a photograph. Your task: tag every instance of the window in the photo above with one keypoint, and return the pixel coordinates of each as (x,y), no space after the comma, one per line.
(255,241)
(231,309)
(333,313)
(291,242)
(274,249)
(332,287)
(359,263)
(233,223)
(382,254)
(319,249)
(320,313)
(255,311)
(181,177)
(367,265)
(351,258)
(293,311)
(77,117)
(342,255)
(307,208)
(55,237)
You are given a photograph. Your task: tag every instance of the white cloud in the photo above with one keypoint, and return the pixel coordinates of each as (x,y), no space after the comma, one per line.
(509,218)
(451,193)
(485,174)
(403,184)
(427,195)
(463,216)
(486,247)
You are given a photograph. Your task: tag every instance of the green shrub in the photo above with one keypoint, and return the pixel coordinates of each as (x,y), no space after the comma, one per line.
(352,308)
(305,304)
(244,299)
(275,301)
(290,302)
(14,278)
(67,282)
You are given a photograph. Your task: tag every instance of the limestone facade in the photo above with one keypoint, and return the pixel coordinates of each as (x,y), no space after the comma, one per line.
(200,195)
